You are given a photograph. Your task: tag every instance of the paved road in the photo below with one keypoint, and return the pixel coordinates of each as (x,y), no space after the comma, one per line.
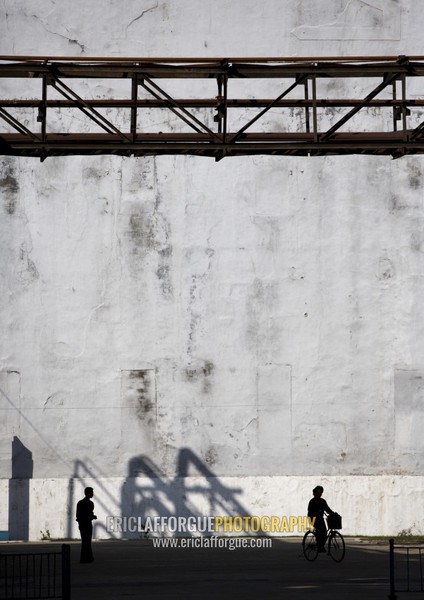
(135,569)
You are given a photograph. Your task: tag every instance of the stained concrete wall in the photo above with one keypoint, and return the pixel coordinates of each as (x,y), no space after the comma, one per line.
(255,323)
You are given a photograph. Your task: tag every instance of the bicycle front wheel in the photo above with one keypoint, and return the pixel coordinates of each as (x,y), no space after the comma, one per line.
(310,546)
(336,546)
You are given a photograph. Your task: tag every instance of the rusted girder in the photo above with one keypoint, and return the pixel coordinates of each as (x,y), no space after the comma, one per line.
(231,106)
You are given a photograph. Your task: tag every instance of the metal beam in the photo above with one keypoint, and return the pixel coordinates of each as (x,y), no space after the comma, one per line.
(301,117)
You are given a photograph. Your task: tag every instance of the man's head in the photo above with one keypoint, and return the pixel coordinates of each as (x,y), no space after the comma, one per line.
(88,492)
(318,491)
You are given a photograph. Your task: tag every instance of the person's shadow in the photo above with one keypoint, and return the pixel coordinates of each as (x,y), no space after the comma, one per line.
(22,470)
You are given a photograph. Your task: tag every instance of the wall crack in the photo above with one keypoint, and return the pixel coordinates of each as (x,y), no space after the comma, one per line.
(142,14)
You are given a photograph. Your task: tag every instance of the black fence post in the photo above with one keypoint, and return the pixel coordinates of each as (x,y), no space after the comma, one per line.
(66,572)
(392,595)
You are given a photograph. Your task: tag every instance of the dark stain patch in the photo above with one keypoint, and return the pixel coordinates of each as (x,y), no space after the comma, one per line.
(9,186)
(32,269)
(136,374)
(140,391)
(27,271)
(202,373)
(164,272)
(208,368)
(386,269)
(205,370)
(195,320)
(416,242)
(395,204)
(145,405)
(166,252)
(202,261)
(93,173)
(191,374)
(210,457)
(269,232)
(415,180)
(141,231)
(149,232)
(262,303)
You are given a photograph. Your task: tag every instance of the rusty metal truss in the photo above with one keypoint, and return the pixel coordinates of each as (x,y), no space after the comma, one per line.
(211,107)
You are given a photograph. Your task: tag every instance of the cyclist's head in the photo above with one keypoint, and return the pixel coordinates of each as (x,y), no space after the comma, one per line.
(318,490)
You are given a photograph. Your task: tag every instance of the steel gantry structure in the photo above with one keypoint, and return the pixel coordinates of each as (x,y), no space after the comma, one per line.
(53,106)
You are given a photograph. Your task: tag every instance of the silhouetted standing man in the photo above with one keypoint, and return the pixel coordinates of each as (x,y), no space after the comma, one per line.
(85,516)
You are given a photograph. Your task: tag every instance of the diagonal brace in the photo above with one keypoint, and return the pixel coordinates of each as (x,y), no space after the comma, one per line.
(187,117)
(417,131)
(298,81)
(387,81)
(17,125)
(90,112)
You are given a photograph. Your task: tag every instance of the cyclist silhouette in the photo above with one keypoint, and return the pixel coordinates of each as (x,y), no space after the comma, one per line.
(316,508)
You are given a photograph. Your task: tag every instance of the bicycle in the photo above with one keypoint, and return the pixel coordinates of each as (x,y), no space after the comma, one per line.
(335,542)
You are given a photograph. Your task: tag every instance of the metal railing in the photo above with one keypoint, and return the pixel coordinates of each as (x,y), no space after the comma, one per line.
(406,572)
(35,575)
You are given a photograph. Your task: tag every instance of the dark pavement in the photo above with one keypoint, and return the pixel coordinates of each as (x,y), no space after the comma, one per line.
(135,569)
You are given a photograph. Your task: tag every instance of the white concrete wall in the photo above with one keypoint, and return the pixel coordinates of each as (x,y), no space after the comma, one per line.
(256,322)
(369,505)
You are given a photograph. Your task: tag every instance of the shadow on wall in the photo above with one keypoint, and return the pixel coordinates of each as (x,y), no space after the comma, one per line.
(146,492)
(22,470)
(194,491)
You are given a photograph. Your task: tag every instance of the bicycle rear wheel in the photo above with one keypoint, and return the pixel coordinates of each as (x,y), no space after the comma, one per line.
(310,546)
(336,546)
